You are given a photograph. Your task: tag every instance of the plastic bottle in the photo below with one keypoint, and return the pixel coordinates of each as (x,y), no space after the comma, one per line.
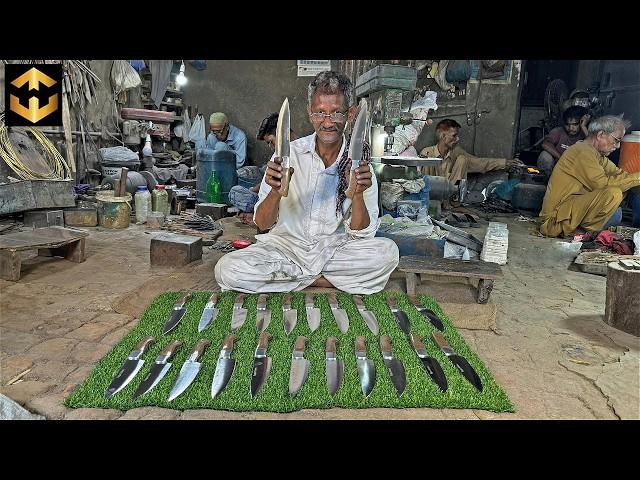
(143,204)
(214,189)
(160,200)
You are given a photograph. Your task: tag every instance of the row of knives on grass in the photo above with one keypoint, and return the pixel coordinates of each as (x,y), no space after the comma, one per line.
(299,366)
(290,315)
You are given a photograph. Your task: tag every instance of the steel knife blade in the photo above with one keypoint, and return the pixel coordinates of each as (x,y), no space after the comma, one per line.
(356,145)
(401,318)
(368,317)
(209,312)
(283,147)
(289,315)
(224,368)
(460,362)
(176,314)
(263,315)
(189,369)
(427,313)
(339,314)
(313,313)
(430,364)
(366,367)
(299,366)
(158,370)
(130,368)
(334,367)
(239,313)
(261,364)
(394,366)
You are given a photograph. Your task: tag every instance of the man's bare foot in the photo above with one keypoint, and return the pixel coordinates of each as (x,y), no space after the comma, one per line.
(246,218)
(322,282)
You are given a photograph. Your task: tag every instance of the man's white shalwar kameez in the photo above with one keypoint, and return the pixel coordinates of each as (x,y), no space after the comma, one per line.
(309,240)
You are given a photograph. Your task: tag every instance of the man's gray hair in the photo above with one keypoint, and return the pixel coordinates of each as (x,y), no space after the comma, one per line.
(331,83)
(607,124)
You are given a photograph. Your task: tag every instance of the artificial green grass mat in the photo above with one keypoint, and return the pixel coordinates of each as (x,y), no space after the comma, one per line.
(420,391)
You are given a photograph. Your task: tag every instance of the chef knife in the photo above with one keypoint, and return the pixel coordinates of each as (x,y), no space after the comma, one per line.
(338,313)
(430,364)
(130,368)
(427,313)
(289,315)
(225,366)
(176,314)
(313,313)
(401,318)
(299,367)
(261,364)
(239,313)
(356,145)
(394,366)
(366,367)
(263,314)
(461,363)
(334,367)
(158,370)
(283,130)
(368,317)
(189,369)
(209,312)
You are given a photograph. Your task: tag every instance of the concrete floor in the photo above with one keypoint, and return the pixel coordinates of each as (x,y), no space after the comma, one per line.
(551,351)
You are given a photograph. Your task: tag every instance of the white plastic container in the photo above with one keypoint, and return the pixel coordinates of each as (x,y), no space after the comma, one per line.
(143,204)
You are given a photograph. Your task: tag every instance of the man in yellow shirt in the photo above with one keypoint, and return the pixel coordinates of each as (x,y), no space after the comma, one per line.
(586,188)
(457,162)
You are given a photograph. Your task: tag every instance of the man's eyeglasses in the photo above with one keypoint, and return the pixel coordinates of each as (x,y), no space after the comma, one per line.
(336,117)
(218,132)
(618,140)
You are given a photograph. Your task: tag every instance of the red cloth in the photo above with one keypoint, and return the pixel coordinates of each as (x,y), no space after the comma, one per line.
(622,247)
(607,238)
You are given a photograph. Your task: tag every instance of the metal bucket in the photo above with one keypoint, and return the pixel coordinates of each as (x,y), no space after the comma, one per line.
(113,212)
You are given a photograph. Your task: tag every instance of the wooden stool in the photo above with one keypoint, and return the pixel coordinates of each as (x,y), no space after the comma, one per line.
(486,272)
(49,241)
(622,304)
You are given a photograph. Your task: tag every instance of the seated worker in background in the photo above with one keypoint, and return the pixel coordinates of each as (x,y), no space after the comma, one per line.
(245,198)
(457,163)
(318,236)
(227,137)
(586,188)
(575,120)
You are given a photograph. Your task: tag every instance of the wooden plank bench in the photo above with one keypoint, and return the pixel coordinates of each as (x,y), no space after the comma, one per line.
(49,241)
(486,272)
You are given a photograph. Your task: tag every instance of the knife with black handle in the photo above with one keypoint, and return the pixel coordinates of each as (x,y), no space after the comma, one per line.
(427,313)
(176,314)
(461,363)
(130,369)
(431,365)
(401,318)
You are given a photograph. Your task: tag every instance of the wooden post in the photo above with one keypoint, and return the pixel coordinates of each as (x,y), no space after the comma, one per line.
(66,123)
(622,307)
(121,187)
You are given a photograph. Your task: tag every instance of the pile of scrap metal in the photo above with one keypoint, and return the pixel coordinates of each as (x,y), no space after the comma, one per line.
(197,225)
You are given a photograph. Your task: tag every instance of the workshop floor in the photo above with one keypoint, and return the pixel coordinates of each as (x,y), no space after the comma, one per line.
(551,352)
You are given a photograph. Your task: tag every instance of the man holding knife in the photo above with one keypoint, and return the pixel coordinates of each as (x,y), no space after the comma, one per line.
(321,231)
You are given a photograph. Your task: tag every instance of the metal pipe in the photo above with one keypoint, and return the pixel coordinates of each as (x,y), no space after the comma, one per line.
(75,132)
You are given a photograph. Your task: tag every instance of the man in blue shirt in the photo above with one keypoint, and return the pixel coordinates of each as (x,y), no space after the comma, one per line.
(227,137)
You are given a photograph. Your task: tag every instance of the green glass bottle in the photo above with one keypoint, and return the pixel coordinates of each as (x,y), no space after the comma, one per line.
(214,189)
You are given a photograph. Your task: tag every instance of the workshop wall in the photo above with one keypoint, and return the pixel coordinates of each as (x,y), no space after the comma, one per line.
(247,91)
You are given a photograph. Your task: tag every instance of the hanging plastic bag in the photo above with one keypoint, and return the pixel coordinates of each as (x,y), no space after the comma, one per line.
(197,132)
(137,64)
(124,76)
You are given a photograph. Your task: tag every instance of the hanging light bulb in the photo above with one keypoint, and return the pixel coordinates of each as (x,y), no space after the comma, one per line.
(181,79)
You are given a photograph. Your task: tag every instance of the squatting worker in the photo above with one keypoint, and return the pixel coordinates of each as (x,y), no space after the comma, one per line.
(317,235)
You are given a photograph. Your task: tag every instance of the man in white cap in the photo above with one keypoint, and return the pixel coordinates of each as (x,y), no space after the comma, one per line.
(224,136)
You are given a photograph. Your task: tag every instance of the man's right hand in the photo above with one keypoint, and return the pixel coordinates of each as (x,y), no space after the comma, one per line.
(513,163)
(273,175)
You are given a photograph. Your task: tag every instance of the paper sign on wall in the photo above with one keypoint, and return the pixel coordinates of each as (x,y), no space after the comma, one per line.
(310,68)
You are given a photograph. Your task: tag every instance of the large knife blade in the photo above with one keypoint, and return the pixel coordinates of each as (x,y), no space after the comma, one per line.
(289,315)
(176,314)
(401,318)
(394,366)
(430,364)
(225,366)
(368,317)
(313,313)
(338,313)
(158,370)
(261,364)
(283,130)
(427,313)
(239,314)
(366,367)
(356,145)
(460,362)
(209,312)
(189,369)
(299,366)
(263,314)
(130,368)
(334,367)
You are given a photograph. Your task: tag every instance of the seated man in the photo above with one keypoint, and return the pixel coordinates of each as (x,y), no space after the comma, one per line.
(227,137)
(318,236)
(457,163)
(586,188)
(575,120)
(245,198)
